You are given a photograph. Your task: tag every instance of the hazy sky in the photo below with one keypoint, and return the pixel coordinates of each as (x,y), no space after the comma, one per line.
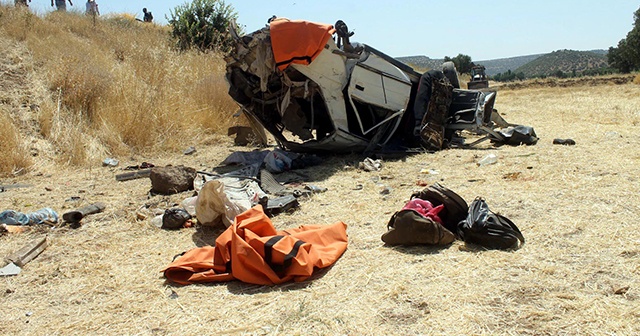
(484,30)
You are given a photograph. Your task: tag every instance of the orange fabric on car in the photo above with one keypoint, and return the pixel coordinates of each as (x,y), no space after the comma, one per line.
(252,251)
(297,41)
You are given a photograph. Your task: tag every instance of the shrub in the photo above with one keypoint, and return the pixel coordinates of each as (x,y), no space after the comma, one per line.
(202,24)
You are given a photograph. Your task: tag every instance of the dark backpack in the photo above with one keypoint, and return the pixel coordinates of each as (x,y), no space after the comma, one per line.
(485,228)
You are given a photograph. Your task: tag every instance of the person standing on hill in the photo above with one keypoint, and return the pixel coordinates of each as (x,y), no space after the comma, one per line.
(61,5)
(92,8)
(148,17)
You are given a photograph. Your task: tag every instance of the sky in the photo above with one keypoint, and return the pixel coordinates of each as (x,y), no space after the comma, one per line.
(484,30)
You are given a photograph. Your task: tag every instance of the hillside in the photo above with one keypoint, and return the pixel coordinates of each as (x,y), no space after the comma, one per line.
(567,61)
(421,63)
(493,67)
(74,92)
(503,65)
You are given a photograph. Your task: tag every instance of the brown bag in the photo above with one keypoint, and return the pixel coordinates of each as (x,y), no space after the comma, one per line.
(455,207)
(408,227)
(251,251)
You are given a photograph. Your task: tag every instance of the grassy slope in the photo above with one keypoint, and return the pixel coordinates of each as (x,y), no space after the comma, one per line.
(82,91)
(566,61)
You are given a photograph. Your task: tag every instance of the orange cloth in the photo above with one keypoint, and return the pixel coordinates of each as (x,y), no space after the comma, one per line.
(251,250)
(297,41)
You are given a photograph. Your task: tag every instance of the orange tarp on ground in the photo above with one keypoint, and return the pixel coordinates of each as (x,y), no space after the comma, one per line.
(297,41)
(251,251)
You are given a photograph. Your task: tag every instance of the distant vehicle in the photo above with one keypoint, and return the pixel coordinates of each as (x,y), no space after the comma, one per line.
(479,79)
(314,93)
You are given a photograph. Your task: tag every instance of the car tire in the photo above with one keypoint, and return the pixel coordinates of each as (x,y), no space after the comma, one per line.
(449,70)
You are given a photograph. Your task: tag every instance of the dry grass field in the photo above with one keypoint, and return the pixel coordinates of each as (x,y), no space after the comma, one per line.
(577,206)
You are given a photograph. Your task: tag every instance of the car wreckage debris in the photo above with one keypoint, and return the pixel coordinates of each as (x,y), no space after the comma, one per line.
(318,92)
(24,255)
(74,217)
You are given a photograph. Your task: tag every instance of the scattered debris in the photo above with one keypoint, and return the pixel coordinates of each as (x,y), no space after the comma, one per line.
(516,136)
(74,217)
(133,175)
(488,160)
(4,228)
(10,269)
(44,215)
(143,165)
(567,142)
(422,183)
(110,162)
(189,150)
(6,187)
(315,189)
(429,171)
(621,290)
(20,258)
(189,204)
(385,190)
(512,176)
(370,165)
(175,218)
(281,204)
(277,161)
(171,179)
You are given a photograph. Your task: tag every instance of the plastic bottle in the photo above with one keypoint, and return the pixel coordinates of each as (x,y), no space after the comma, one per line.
(487,160)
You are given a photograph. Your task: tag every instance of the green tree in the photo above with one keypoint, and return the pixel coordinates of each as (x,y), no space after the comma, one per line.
(463,62)
(202,24)
(626,56)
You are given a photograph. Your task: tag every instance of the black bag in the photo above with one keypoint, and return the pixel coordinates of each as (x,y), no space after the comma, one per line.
(485,228)
(174,218)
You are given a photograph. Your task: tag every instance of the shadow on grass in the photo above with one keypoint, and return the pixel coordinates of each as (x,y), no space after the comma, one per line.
(419,249)
(240,288)
(320,167)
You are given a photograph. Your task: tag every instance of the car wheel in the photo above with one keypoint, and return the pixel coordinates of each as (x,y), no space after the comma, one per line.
(449,70)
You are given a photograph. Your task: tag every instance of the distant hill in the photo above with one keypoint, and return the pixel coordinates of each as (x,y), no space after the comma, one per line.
(566,61)
(503,65)
(423,63)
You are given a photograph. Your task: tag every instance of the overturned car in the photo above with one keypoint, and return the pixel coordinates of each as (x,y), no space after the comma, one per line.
(314,90)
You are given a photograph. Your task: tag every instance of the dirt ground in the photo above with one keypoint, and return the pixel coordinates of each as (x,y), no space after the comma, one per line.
(577,206)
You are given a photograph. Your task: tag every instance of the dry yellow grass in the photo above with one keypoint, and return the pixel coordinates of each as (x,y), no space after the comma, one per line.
(113,88)
(576,205)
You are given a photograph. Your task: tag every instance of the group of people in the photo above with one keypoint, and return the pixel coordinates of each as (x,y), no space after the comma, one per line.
(91,8)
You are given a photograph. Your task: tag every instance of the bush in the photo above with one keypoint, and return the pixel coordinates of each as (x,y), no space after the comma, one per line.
(202,24)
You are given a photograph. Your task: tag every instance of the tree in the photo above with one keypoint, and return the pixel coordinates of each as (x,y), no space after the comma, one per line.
(202,24)
(626,56)
(463,62)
